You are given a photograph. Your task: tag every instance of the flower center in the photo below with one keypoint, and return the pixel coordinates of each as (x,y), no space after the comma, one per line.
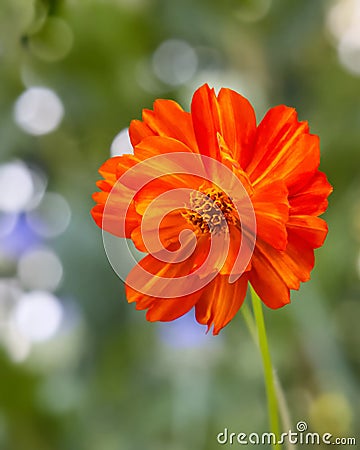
(210,211)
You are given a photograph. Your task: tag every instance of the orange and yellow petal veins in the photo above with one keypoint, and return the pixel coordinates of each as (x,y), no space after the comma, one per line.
(283,149)
(229,115)
(162,309)
(115,210)
(138,131)
(238,125)
(310,229)
(220,301)
(271,208)
(167,119)
(206,121)
(275,272)
(160,306)
(115,214)
(161,232)
(312,198)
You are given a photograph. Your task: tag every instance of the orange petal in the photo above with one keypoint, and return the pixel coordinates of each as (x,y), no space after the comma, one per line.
(115,167)
(130,171)
(163,275)
(169,229)
(234,249)
(283,149)
(274,272)
(105,185)
(234,166)
(206,121)
(100,197)
(172,159)
(310,229)
(220,301)
(115,211)
(311,198)
(125,163)
(167,119)
(238,125)
(138,131)
(272,211)
(112,221)
(108,169)
(156,145)
(161,189)
(165,309)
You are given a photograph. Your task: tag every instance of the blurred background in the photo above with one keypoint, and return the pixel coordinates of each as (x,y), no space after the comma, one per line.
(79,367)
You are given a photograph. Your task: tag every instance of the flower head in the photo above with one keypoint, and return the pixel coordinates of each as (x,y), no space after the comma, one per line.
(216,201)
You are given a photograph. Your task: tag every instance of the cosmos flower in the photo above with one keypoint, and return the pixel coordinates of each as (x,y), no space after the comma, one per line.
(276,165)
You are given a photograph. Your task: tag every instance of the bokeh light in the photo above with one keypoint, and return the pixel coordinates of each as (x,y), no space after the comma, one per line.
(38,315)
(53,41)
(349,50)
(9,293)
(343,22)
(252,11)
(19,237)
(121,143)
(39,181)
(16,186)
(51,217)
(7,223)
(40,268)
(38,111)
(174,62)
(17,345)
(331,413)
(146,78)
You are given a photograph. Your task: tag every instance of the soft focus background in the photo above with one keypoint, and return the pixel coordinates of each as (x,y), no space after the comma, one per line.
(79,367)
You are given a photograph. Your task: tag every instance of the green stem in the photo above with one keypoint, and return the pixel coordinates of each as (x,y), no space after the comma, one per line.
(268,370)
(250,322)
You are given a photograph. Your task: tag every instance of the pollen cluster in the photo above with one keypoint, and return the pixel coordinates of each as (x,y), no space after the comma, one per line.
(210,210)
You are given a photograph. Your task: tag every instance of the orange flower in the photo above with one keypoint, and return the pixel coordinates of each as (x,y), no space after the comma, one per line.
(212,182)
